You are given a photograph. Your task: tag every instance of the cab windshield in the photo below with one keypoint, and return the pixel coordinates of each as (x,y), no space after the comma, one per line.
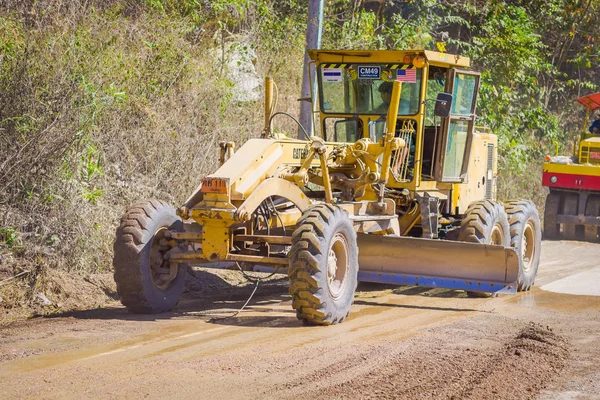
(366,88)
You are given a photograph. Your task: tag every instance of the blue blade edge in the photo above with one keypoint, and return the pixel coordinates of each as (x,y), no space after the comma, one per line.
(439,282)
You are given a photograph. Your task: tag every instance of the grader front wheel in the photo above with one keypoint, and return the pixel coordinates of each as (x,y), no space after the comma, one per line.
(323,266)
(145,282)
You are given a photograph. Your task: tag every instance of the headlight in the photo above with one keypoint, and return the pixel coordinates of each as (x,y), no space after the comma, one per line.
(553,179)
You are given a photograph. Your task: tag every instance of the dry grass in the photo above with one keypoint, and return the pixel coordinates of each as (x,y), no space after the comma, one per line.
(526,184)
(103,104)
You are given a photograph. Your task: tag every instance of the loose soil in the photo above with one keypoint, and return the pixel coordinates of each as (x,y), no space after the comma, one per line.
(399,342)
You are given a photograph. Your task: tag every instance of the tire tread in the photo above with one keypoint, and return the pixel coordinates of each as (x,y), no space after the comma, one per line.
(304,272)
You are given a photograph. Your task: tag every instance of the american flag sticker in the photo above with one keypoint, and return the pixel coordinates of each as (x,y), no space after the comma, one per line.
(408,75)
(332,75)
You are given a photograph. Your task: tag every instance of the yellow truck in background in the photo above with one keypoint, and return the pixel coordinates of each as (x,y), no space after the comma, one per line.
(573,205)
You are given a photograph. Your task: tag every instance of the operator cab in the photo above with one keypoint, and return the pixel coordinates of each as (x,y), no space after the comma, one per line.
(361,93)
(353,104)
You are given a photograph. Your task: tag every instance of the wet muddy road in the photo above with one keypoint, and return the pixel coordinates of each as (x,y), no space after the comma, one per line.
(399,342)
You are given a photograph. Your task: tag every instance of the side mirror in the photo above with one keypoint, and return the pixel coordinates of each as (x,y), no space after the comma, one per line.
(443,103)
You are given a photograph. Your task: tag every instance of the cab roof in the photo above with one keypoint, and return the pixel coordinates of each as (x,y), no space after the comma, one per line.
(388,56)
(591,101)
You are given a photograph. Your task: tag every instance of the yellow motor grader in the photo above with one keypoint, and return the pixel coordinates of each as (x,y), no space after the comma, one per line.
(396,188)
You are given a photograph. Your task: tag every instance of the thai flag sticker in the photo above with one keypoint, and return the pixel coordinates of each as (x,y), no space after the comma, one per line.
(332,75)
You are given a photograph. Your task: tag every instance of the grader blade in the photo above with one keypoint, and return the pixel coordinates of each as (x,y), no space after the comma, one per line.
(437,263)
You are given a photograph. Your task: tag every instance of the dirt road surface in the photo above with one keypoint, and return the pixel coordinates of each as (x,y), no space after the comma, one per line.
(399,342)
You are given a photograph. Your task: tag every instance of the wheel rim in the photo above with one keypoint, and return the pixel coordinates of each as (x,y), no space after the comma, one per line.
(497,236)
(528,246)
(337,265)
(162,272)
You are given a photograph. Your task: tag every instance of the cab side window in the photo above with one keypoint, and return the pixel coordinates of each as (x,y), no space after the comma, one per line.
(341,130)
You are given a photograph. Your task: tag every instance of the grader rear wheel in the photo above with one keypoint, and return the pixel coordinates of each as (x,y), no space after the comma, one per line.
(323,267)
(592,209)
(526,239)
(145,282)
(551,227)
(485,222)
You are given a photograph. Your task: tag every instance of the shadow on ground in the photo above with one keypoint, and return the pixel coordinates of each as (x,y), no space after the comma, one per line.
(218,296)
(206,295)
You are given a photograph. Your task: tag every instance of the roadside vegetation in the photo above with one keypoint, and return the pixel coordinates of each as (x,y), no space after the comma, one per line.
(103,103)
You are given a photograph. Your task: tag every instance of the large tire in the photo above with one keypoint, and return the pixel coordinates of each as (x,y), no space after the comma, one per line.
(592,209)
(526,239)
(551,227)
(571,208)
(143,284)
(323,265)
(485,222)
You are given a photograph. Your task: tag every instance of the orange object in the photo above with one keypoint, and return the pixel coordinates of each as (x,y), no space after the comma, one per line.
(419,61)
(591,100)
(214,185)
